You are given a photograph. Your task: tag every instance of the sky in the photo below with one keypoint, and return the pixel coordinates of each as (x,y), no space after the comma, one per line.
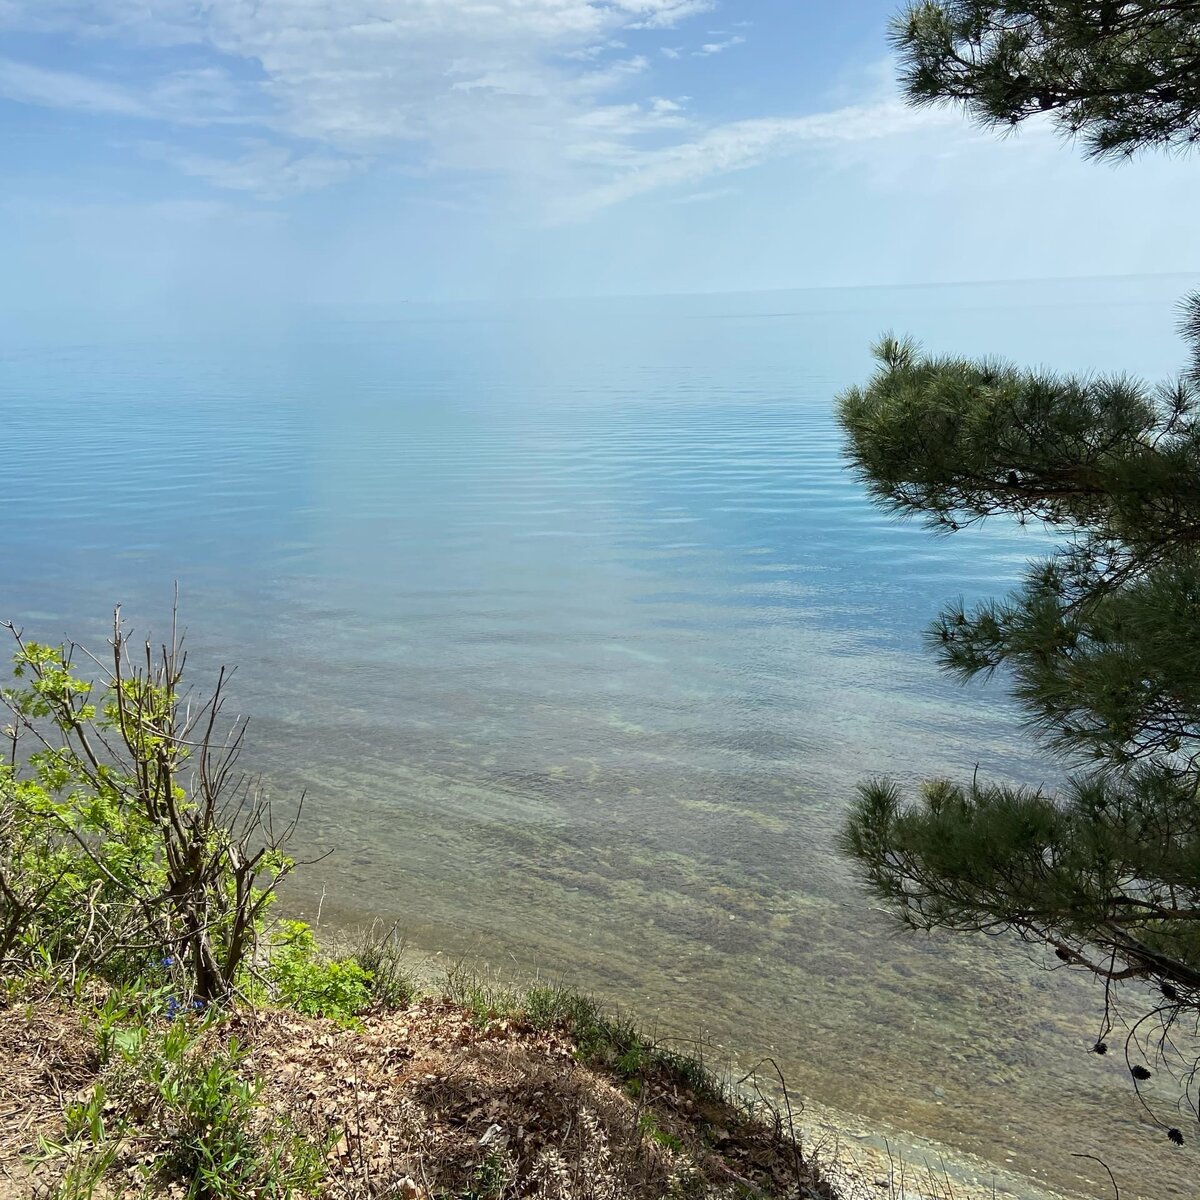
(258,153)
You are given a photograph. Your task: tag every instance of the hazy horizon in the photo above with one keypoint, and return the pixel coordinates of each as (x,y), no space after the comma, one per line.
(68,323)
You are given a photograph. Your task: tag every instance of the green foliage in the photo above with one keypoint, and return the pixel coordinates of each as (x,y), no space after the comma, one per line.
(85,1118)
(188,1095)
(649,1127)
(301,978)
(72,856)
(204,1111)
(490,1178)
(1100,643)
(483,1000)
(1098,640)
(602,1038)
(85,1169)
(380,954)
(120,1019)
(126,839)
(133,858)
(1099,646)
(88,1145)
(1110,863)
(1119,75)
(210,1107)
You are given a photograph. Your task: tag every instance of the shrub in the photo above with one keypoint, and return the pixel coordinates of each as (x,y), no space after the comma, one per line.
(380,953)
(299,977)
(126,835)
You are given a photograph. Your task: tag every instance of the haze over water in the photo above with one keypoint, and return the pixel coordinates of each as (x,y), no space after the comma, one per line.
(578,632)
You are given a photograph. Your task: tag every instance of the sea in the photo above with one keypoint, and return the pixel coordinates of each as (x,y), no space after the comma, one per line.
(577,632)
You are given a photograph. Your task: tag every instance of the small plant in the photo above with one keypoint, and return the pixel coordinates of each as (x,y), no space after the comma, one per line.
(649,1127)
(215,1142)
(380,953)
(86,1117)
(485,1002)
(300,978)
(210,1107)
(490,1178)
(87,1144)
(120,1019)
(83,1173)
(602,1038)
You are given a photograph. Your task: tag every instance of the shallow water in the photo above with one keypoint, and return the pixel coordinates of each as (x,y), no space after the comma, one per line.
(577,631)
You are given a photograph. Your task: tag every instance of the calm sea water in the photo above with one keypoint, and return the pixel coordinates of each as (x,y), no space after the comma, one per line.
(577,631)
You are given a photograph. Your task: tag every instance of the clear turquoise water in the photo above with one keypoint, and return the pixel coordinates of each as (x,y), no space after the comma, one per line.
(577,631)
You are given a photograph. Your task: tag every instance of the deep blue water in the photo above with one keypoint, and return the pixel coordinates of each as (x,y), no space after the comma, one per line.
(578,631)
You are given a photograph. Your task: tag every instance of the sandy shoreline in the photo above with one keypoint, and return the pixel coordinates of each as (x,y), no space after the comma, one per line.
(865,1160)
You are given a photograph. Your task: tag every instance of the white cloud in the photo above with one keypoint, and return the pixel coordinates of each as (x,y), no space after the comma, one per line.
(62,89)
(203,95)
(613,74)
(705,196)
(591,53)
(189,97)
(739,145)
(541,94)
(669,12)
(355,74)
(711,48)
(267,170)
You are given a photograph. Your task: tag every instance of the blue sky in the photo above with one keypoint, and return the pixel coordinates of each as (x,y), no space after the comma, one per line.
(262,152)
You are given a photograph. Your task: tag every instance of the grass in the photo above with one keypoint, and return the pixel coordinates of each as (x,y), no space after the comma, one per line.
(479,1092)
(604,1038)
(379,950)
(176,1087)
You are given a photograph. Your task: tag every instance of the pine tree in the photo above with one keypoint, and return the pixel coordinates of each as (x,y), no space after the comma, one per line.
(1120,75)
(1101,642)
